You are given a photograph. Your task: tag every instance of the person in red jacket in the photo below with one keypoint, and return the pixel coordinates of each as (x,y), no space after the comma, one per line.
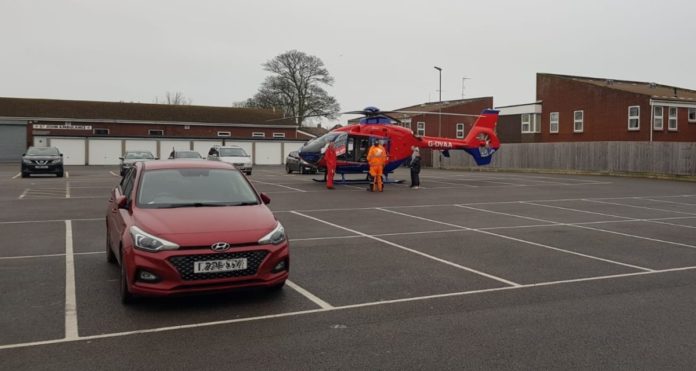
(330,158)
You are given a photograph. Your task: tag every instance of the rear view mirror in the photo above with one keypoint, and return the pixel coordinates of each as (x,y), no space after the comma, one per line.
(265,198)
(122,202)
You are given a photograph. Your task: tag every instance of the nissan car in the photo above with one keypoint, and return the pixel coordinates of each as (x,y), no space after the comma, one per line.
(178,227)
(42,160)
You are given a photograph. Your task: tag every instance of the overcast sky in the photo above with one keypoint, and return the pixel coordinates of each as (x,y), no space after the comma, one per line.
(380,53)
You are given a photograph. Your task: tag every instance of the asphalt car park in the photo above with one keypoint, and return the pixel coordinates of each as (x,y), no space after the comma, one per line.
(473,270)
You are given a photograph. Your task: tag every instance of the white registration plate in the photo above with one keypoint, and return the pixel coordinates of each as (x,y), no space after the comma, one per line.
(41,167)
(213,266)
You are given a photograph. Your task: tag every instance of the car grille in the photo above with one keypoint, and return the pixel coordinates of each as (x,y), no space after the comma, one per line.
(238,164)
(184,264)
(42,162)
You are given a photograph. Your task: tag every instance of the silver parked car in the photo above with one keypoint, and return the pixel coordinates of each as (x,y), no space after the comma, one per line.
(131,157)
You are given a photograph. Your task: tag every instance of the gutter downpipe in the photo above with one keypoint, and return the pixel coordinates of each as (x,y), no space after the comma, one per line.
(652,119)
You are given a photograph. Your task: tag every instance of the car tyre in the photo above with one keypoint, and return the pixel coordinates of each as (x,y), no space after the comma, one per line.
(25,175)
(126,296)
(288,169)
(110,256)
(248,172)
(302,171)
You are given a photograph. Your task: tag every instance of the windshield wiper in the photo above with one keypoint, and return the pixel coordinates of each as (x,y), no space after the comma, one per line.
(195,204)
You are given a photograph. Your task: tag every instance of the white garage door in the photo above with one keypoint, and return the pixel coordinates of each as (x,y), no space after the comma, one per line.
(142,145)
(104,151)
(166,147)
(268,153)
(203,146)
(73,150)
(289,147)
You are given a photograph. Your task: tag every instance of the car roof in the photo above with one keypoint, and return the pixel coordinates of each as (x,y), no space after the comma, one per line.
(227,146)
(186,164)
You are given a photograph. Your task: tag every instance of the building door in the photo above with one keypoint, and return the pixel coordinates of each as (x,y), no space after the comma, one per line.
(13,139)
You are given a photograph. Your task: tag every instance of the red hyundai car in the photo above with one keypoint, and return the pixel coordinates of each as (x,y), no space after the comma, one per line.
(188,226)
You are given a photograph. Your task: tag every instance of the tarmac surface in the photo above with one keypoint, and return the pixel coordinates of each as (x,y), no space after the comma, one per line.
(474,270)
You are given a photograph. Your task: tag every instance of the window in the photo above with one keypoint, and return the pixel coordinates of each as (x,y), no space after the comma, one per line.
(224,134)
(421,129)
(460,130)
(101,131)
(658,118)
(692,114)
(553,122)
(672,120)
(578,121)
(407,124)
(157,133)
(258,134)
(634,118)
(278,135)
(531,123)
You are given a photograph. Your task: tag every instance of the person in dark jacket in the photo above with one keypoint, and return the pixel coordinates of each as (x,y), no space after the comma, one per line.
(415,166)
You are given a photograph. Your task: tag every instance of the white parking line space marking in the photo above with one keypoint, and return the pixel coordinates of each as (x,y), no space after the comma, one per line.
(23,194)
(112,173)
(639,207)
(345,307)
(524,241)
(321,303)
(70,296)
(499,279)
(67,189)
(17,176)
(277,185)
(50,221)
(67,174)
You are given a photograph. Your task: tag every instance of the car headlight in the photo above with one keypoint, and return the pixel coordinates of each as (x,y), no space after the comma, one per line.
(148,242)
(28,162)
(276,236)
(57,161)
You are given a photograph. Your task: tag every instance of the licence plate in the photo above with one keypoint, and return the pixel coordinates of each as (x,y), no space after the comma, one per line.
(213,266)
(41,167)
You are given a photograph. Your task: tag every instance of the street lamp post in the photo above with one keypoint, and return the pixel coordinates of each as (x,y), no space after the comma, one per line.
(439,117)
(440,87)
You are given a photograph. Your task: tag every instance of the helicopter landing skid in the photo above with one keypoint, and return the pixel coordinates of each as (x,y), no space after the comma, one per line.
(367,180)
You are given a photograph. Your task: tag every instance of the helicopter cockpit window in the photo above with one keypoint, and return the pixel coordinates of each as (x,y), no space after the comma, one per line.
(317,144)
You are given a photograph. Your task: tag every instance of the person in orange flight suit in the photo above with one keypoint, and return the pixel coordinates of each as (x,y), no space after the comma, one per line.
(330,158)
(377,158)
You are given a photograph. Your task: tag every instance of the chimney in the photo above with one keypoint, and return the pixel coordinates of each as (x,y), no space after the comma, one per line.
(675,92)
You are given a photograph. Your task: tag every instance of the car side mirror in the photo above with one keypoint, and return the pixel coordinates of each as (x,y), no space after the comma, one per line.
(120,158)
(264,197)
(24,154)
(61,155)
(122,202)
(156,158)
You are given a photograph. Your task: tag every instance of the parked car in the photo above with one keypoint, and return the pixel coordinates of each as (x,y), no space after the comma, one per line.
(234,155)
(130,157)
(179,227)
(42,160)
(174,155)
(294,163)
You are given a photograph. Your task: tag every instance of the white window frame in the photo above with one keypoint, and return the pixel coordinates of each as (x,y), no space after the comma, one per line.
(420,129)
(460,130)
(278,135)
(407,124)
(658,119)
(258,134)
(526,123)
(94,131)
(633,118)
(673,119)
(578,124)
(553,122)
(154,132)
(224,134)
(691,115)
(536,123)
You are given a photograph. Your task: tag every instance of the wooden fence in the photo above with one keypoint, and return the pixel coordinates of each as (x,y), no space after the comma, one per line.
(656,158)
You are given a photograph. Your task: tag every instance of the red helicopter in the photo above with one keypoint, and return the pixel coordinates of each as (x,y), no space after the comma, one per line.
(352,142)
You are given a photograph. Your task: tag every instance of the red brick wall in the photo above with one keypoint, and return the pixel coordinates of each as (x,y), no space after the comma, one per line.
(605,113)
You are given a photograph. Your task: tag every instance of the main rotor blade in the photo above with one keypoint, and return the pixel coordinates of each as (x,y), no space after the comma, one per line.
(436,113)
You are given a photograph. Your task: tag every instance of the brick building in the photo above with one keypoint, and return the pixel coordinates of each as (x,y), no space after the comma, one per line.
(595,109)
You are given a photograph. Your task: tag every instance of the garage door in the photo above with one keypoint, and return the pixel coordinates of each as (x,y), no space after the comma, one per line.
(166,147)
(289,147)
(142,145)
(268,154)
(73,150)
(13,138)
(104,151)
(203,146)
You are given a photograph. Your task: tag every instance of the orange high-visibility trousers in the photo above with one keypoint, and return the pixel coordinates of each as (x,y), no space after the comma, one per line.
(376,173)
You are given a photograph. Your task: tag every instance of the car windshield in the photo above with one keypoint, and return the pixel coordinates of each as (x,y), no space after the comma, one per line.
(43,151)
(232,152)
(170,188)
(139,155)
(187,154)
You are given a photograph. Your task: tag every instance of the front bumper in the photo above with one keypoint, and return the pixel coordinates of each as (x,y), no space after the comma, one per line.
(174,270)
(43,169)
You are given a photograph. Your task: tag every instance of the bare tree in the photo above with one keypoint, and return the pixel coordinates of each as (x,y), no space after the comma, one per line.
(176,99)
(295,87)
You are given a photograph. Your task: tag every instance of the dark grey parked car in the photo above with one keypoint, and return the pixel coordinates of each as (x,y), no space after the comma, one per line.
(131,157)
(294,163)
(42,160)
